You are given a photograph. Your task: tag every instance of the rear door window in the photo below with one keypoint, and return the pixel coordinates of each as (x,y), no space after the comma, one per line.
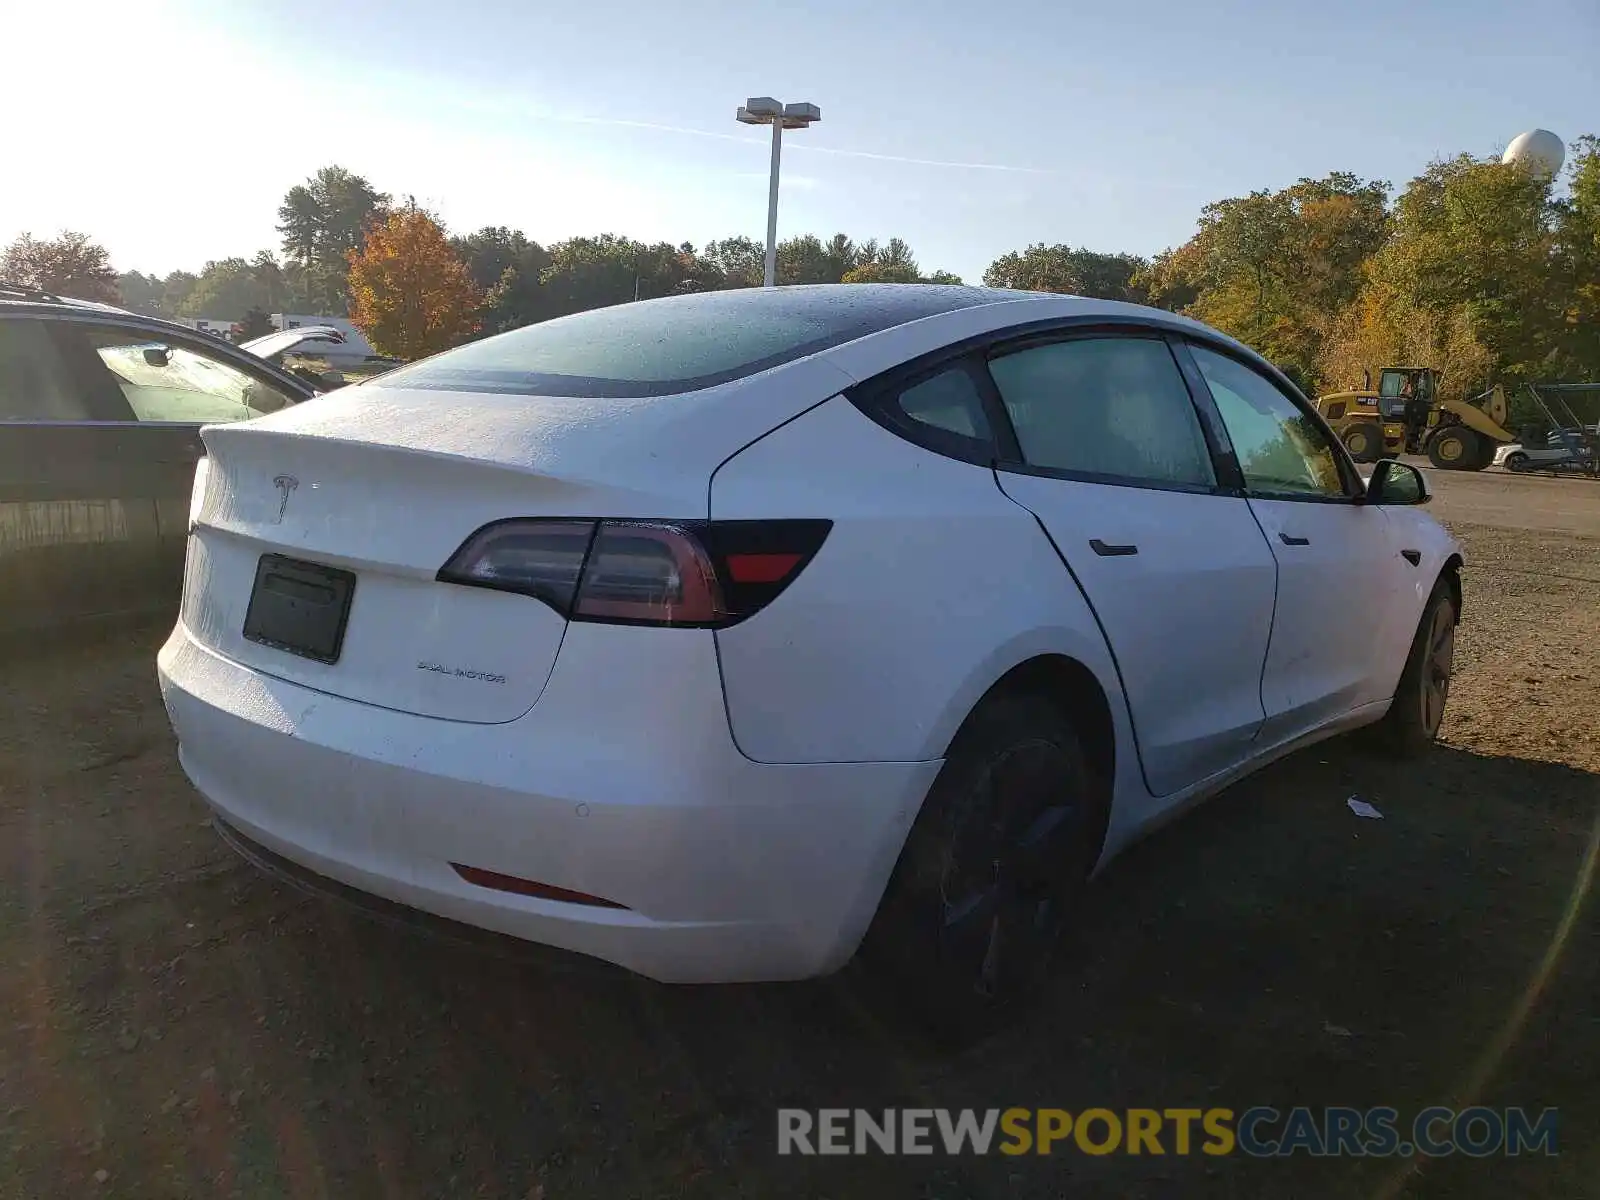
(1107,409)
(35,384)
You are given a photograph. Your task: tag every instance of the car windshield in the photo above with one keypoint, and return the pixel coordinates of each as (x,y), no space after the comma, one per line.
(678,343)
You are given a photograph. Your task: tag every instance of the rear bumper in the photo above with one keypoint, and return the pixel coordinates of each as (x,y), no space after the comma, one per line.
(622,783)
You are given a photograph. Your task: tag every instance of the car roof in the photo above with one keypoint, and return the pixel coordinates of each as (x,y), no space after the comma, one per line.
(15,302)
(10,300)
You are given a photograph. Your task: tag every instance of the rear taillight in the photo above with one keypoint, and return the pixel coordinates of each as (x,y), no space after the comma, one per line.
(700,574)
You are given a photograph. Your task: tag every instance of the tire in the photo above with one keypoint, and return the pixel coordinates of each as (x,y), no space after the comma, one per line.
(1412,723)
(1455,449)
(1516,462)
(1364,440)
(990,871)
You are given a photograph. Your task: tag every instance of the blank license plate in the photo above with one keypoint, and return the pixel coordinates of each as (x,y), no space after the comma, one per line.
(299,607)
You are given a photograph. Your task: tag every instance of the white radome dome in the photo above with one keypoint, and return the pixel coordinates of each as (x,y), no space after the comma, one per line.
(1540,149)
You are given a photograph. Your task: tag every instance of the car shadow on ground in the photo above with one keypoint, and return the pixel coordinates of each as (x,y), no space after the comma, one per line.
(1269,948)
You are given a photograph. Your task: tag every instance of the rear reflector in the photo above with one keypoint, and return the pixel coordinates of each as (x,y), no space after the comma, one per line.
(761,568)
(695,574)
(528,887)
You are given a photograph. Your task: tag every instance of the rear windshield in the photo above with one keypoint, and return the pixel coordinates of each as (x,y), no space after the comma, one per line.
(679,343)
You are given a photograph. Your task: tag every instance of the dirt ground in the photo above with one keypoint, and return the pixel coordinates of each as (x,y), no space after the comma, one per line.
(172,1023)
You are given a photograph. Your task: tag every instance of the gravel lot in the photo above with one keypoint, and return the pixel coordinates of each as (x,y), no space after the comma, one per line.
(174,1024)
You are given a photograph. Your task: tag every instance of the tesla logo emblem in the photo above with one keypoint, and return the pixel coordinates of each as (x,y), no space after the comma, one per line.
(285,484)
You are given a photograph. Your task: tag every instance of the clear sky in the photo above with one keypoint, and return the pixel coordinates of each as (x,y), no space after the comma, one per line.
(170,129)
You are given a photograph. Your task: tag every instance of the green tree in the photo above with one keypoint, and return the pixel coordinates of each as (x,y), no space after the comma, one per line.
(807,259)
(322,220)
(1171,280)
(255,323)
(226,289)
(1416,303)
(1577,264)
(142,293)
(175,289)
(492,249)
(591,272)
(69,265)
(1473,245)
(269,278)
(737,261)
(506,267)
(841,255)
(1275,268)
(1080,272)
(882,272)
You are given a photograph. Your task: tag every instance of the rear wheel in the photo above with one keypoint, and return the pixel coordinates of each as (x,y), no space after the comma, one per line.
(991,870)
(1364,440)
(1417,711)
(1455,449)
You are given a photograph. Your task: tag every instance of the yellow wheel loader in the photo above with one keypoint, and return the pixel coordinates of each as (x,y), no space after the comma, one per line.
(1406,416)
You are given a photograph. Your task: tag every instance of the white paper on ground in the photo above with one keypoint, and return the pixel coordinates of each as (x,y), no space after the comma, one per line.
(1362,809)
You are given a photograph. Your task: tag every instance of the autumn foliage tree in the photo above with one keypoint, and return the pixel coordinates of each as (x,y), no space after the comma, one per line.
(411,294)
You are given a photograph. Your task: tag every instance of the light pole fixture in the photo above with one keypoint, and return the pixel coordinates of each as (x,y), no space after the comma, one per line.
(764,110)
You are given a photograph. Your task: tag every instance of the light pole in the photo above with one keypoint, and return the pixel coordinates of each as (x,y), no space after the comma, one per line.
(764,110)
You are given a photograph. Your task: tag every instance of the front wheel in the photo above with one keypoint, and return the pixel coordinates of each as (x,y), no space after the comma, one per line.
(1516,462)
(1412,723)
(1455,449)
(991,870)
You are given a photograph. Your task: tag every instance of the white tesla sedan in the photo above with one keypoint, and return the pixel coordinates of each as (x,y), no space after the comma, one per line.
(718,635)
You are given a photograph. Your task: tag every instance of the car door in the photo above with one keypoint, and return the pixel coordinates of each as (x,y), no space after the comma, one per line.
(167,386)
(1340,575)
(76,522)
(1112,457)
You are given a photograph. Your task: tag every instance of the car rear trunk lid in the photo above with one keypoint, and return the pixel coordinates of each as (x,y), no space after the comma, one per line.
(386,485)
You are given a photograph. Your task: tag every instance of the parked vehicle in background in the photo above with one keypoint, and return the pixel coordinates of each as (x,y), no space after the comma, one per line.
(312,341)
(100,415)
(1563,450)
(1558,441)
(713,635)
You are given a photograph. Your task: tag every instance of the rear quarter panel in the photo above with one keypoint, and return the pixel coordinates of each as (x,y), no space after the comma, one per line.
(930,587)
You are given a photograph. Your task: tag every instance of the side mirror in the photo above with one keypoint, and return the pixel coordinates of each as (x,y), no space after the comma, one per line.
(157,356)
(1395,482)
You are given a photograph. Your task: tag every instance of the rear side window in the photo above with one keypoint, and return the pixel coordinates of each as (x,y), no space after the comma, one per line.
(675,344)
(1110,408)
(35,384)
(948,402)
